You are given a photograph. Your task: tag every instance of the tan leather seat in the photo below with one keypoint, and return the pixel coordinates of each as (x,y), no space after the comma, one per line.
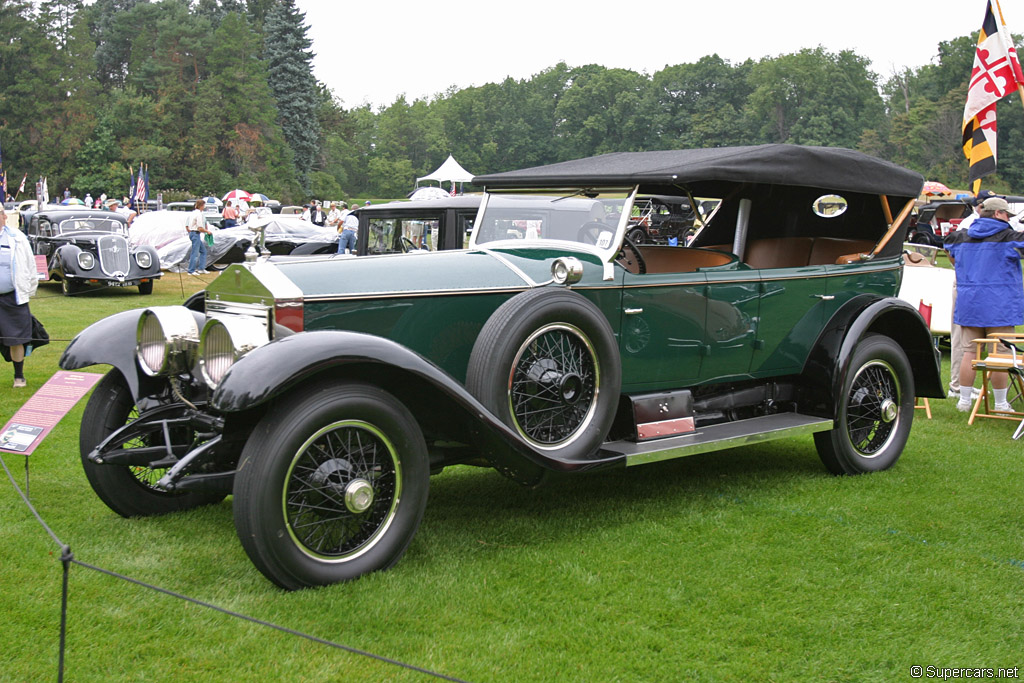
(778,252)
(827,250)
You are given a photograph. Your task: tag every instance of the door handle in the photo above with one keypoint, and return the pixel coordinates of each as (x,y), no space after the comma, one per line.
(633,311)
(824,297)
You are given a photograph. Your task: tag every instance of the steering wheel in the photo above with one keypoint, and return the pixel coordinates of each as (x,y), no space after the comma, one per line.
(590,232)
(408,245)
(641,265)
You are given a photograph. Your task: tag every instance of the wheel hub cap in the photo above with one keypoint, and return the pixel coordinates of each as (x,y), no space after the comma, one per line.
(358,495)
(571,387)
(888,410)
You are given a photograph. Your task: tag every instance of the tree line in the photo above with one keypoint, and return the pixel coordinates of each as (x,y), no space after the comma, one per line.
(216,94)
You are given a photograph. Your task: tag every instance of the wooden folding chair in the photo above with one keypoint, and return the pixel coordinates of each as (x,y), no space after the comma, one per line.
(998,354)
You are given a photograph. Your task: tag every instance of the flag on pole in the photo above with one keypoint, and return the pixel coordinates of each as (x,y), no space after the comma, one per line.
(21,188)
(452,193)
(142,194)
(131,186)
(139,191)
(996,74)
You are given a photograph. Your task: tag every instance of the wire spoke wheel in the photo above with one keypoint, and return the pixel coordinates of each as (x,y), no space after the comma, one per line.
(342,490)
(874,408)
(331,485)
(553,386)
(130,490)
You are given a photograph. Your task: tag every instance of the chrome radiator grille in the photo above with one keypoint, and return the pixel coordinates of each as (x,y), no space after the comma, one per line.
(113,252)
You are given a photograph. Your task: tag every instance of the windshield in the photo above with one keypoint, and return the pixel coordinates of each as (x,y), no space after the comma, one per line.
(593,220)
(91,225)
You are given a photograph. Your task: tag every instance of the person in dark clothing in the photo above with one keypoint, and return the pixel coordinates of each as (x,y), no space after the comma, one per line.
(990,289)
(318,217)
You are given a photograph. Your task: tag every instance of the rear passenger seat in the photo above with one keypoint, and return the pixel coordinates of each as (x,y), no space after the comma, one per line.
(794,252)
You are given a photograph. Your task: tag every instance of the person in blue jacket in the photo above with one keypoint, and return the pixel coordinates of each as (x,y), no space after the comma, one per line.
(990,289)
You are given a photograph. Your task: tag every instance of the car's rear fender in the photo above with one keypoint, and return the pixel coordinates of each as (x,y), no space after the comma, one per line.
(829,359)
(442,406)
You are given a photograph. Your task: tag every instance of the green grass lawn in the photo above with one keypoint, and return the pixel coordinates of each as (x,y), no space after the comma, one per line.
(748,564)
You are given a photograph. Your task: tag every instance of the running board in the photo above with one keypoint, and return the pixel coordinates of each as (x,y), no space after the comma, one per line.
(717,437)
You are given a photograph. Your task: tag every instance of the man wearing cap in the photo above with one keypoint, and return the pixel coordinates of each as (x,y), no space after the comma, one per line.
(990,290)
(954,334)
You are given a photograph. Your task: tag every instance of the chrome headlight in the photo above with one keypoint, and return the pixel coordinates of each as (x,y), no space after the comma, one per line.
(566,270)
(144,259)
(86,261)
(224,341)
(167,338)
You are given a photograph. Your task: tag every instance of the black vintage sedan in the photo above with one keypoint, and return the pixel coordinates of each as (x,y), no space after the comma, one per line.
(86,247)
(322,392)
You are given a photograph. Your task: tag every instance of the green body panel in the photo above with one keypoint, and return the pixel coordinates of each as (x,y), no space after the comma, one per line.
(674,329)
(662,329)
(434,303)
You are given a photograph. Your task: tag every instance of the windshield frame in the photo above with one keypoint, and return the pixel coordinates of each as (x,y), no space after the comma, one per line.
(64,226)
(606,254)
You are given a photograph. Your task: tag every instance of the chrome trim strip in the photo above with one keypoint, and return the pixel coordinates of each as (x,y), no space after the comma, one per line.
(511,266)
(413,294)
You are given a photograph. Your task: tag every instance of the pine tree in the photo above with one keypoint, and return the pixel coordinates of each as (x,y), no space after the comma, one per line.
(288,56)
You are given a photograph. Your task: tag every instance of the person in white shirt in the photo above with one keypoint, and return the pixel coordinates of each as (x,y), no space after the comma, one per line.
(349,234)
(197,231)
(18,282)
(334,217)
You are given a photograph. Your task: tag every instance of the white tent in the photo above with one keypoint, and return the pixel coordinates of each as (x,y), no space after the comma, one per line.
(449,170)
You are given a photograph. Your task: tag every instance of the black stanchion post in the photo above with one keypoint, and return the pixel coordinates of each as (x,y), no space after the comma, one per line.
(65,557)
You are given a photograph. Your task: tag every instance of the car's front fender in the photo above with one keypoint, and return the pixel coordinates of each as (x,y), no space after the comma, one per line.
(112,341)
(65,260)
(438,400)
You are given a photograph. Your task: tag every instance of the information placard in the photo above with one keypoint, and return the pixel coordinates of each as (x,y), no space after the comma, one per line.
(41,413)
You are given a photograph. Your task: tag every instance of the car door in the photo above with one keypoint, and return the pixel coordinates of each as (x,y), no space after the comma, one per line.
(661,337)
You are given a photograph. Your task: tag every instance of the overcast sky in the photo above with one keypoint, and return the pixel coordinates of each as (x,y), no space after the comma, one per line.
(372,52)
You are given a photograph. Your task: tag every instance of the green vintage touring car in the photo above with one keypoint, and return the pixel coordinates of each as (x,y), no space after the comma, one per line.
(323,392)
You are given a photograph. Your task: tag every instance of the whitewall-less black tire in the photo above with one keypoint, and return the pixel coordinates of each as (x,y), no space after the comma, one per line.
(331,484)
(547,364)
(875,412)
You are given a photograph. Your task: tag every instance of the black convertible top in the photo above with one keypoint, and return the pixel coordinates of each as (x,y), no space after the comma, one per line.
(830,168)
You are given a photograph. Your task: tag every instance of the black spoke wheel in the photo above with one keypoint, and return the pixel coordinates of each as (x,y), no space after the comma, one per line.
(552,391)
(547,364)
(128,490)
(331,485)
(875,412)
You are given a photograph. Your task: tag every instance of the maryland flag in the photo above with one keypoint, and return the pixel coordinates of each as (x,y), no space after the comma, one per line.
(995,75)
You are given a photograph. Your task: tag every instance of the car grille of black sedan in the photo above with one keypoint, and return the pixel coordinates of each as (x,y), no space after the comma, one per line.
(114,255)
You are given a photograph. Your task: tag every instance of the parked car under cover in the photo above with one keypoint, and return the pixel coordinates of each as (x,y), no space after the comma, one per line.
(85,247)
(323,392)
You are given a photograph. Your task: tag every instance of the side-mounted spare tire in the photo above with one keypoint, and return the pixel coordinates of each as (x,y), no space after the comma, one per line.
(547,364)
(875,410)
